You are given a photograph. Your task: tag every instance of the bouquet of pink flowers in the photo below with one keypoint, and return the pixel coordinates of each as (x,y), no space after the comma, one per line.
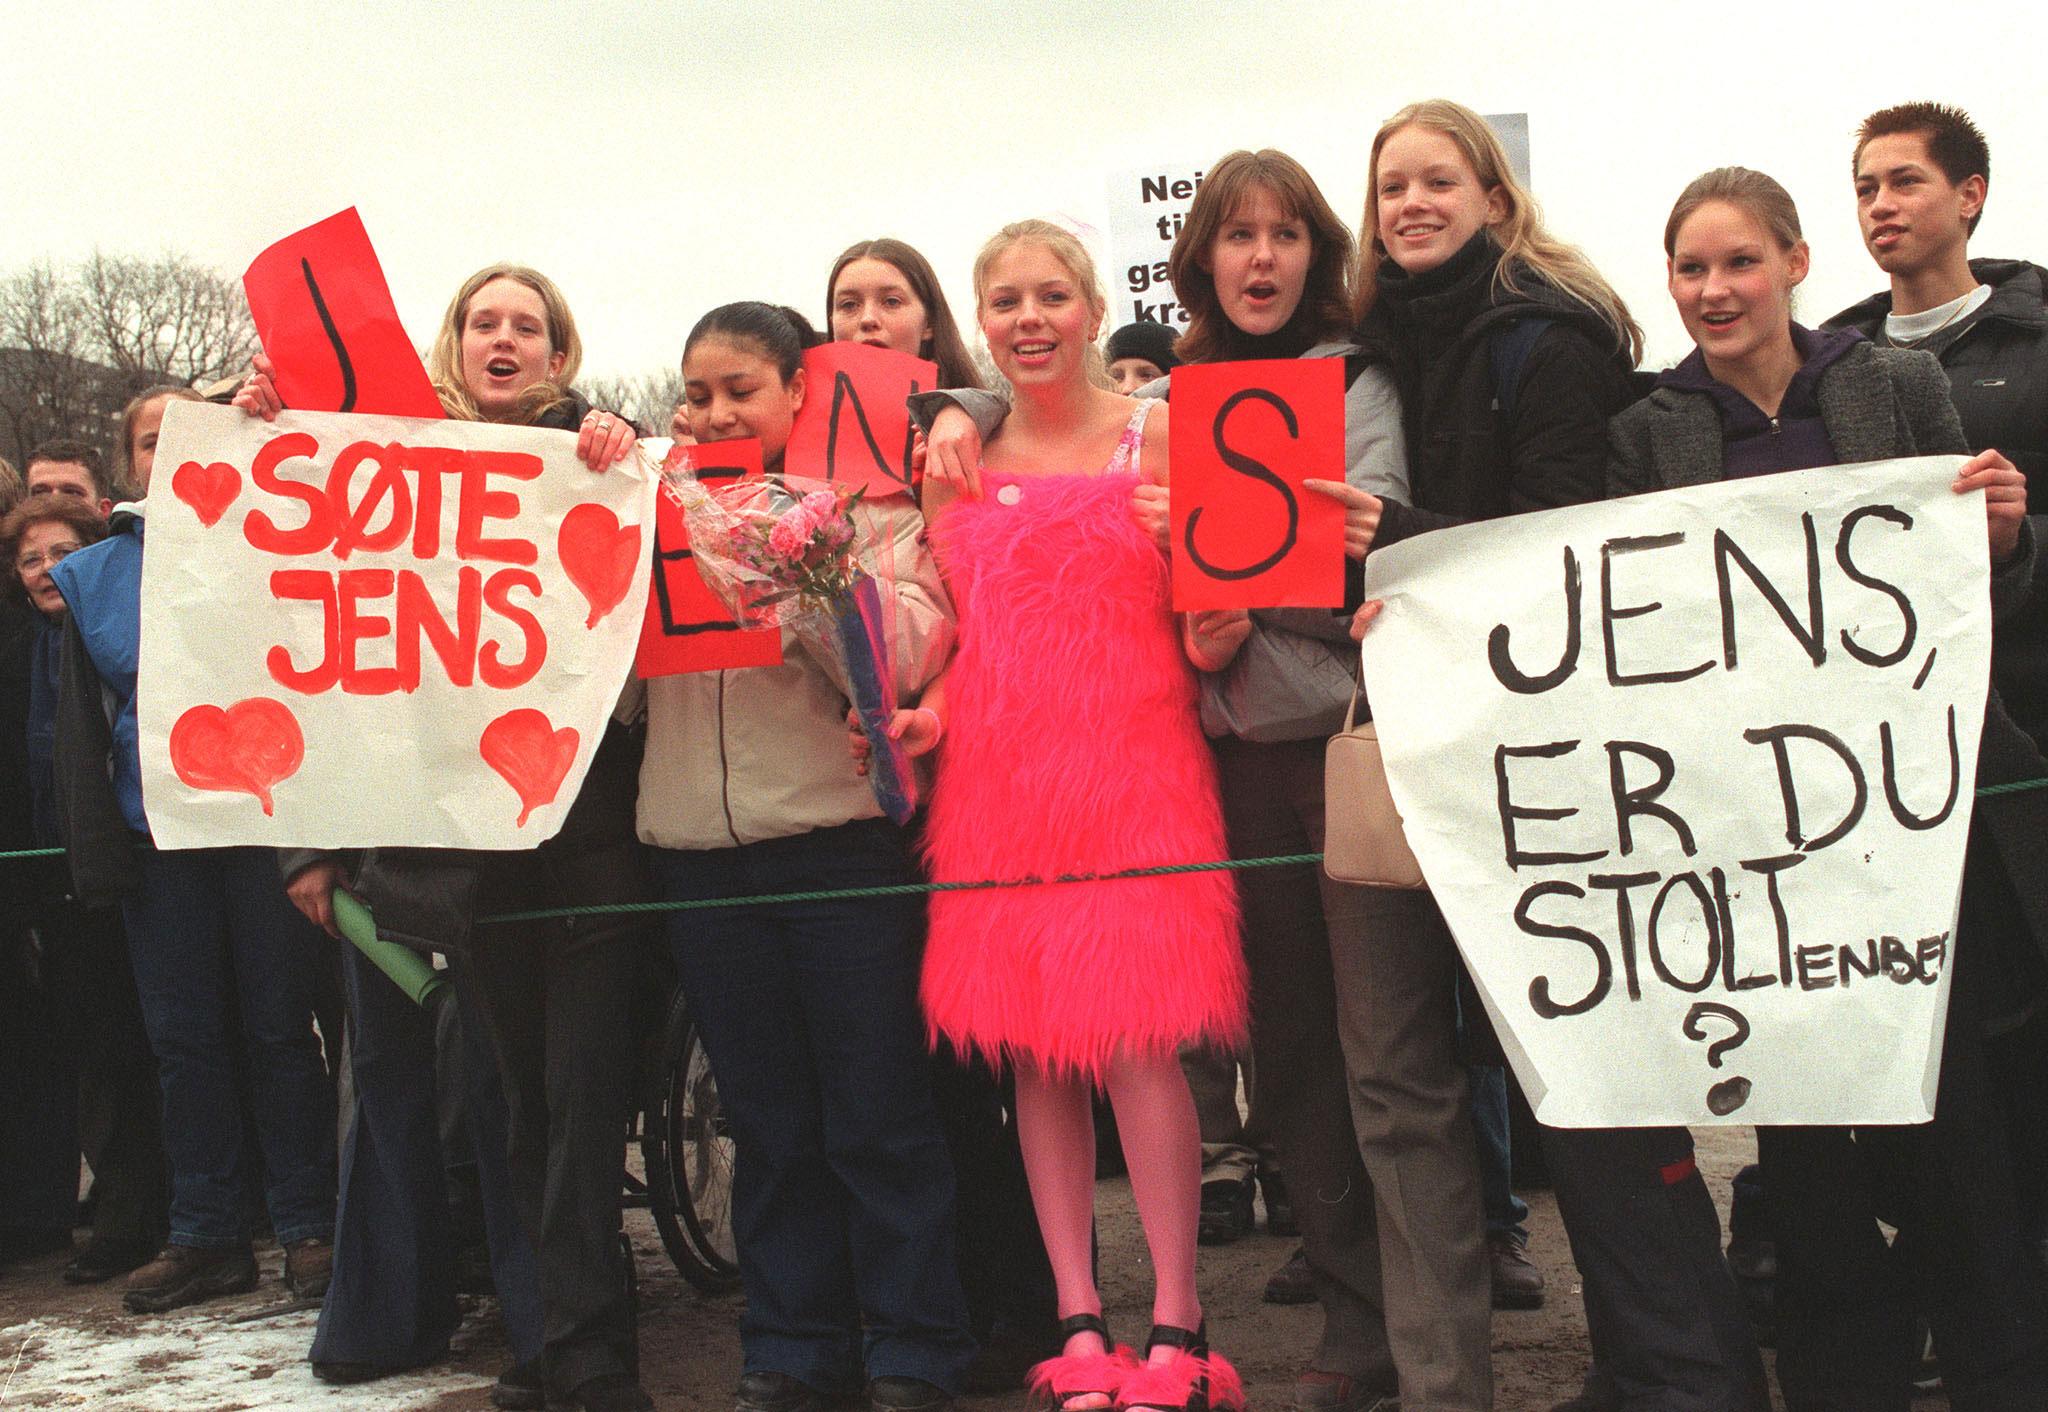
(790,553)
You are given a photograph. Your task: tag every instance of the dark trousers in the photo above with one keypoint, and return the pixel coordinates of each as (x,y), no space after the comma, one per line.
(212,928)
(1845,1300)
(842,1189)
(392,1300)
(1505,1211)
(2019,1079)
(38,1108)
(1273,804)
(556,998)
(1666,1324)
(76,1075)
(120,1116)
(1004,1273)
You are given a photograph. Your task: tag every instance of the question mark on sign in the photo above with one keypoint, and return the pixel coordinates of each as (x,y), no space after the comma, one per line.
(1725,1097)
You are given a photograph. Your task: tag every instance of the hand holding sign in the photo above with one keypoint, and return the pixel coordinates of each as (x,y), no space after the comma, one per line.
(854,427)
(324,314)
(1213,636)
(1247,438)
(1361,514)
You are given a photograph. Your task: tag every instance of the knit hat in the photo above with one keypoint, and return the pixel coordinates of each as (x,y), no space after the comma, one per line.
(1145,339)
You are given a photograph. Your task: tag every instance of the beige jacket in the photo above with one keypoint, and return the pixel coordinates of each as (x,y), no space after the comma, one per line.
(740,756)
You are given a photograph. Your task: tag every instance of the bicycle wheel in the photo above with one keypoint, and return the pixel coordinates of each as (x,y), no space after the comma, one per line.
(687,1149)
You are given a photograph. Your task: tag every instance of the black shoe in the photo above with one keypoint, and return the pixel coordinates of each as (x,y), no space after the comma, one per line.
(1292,1283)
(907,1395)
(105,1257)
(183,1274)
(342,1372)
(776,1392)
(607,1392)
(1226,1211)
(1279,1206)
(519,1388)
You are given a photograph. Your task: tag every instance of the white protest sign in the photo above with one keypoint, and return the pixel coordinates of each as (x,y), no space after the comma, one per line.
(1146,208)
(362,631)
(1690,775)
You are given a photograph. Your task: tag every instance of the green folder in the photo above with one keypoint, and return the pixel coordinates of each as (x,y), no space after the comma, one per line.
(409,970)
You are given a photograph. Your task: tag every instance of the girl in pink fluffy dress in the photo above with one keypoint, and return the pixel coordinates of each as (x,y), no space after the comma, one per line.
(1072,745)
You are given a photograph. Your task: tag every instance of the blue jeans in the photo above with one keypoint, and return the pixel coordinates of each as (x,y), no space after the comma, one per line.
(842,1191)
(392,1300)
(1505,1211)
(211,928)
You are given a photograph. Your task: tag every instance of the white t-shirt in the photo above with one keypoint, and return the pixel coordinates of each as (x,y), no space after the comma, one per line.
(1905,330)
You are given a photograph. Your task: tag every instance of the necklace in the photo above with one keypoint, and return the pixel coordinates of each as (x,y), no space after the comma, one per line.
(1954,314)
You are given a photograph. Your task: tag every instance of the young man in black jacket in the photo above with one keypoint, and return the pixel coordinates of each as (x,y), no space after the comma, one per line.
(1922,177)
(1922,174)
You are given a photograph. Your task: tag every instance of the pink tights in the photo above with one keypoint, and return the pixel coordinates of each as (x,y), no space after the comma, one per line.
(1155,1115)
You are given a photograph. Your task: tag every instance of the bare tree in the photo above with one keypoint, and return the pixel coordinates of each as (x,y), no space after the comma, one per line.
(45,387)
(648,399)
(166,317)
(75,344)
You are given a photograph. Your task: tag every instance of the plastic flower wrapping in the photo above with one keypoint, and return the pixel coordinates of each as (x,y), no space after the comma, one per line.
(809,557)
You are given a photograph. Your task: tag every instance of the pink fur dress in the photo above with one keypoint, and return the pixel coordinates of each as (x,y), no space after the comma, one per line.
(1073,746)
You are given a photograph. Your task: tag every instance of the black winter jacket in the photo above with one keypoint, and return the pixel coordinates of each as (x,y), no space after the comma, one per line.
(1997,366)
(1997,360)
(1467,459)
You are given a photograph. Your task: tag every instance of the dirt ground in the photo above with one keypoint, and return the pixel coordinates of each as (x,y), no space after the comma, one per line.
(62,1347)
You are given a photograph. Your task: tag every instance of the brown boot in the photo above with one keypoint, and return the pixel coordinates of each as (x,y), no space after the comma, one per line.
(182,1274)
(308,1266)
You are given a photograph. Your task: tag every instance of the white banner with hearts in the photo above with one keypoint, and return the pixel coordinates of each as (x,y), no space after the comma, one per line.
(1690,776)
(368,631)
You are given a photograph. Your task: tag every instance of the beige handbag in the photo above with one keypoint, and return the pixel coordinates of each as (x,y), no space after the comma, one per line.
(1362,838)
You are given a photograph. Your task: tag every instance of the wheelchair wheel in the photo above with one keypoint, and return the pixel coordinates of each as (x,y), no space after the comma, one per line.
(688,1152)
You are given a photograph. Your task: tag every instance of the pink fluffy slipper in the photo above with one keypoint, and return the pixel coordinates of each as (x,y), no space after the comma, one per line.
(1190,1381)
(1059,1380)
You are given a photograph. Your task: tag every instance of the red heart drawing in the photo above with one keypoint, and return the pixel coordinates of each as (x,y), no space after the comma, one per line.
(250,747)
(599,555)
(531,755)
(208,489)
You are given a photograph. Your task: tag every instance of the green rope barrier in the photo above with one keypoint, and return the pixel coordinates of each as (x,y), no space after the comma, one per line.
(839,894)
(836,894)
(2013,788)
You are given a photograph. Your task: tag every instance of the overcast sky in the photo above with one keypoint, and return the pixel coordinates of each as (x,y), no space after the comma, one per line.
(659,158)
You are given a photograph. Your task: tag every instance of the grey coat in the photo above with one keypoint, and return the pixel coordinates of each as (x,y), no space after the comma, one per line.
(1877,403)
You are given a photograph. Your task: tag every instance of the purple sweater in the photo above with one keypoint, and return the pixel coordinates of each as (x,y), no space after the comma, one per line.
(1795,439)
